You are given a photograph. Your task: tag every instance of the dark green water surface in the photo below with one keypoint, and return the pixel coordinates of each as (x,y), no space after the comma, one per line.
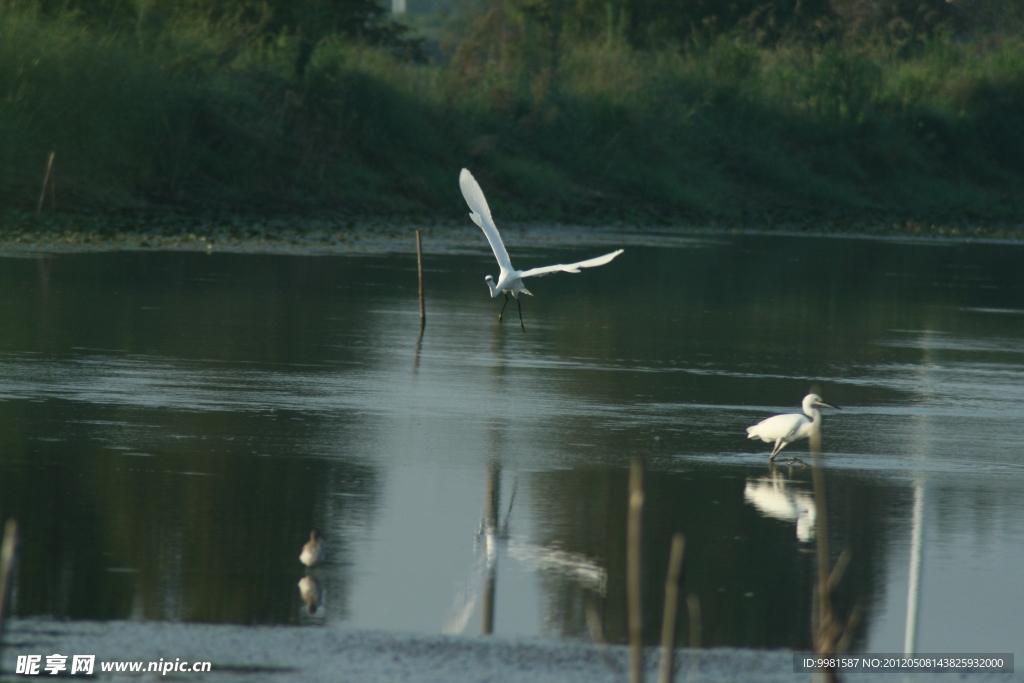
(172,425)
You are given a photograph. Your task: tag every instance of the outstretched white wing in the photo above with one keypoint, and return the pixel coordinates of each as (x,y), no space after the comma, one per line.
(571,267)
(481,215)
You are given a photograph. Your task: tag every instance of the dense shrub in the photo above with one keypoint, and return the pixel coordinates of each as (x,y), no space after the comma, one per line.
(190,111)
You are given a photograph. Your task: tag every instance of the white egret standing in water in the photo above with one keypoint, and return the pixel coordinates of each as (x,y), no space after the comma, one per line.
(785,429)
(510,281)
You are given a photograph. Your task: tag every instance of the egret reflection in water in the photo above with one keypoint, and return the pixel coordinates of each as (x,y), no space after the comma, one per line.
(311,592)
(493,534)
(777,497)
(483,575)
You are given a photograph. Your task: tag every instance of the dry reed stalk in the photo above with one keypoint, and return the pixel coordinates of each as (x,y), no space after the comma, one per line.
(668,622)
(7,559)
(46,182)
(419,270)
(830,635)
(633,594)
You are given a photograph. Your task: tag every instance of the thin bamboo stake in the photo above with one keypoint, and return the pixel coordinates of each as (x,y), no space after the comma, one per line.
(419,269)
(7,556)
(668,622)
(633,595)
(46,181)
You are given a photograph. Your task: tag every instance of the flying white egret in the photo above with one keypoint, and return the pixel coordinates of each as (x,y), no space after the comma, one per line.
(785,429)
(510,281)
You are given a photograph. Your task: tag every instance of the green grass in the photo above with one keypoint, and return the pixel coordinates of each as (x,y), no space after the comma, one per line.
(193,115)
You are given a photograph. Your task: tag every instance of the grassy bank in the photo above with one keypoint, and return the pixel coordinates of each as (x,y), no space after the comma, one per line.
(191,115)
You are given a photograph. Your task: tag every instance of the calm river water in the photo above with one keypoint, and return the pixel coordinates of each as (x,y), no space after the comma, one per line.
(175,424)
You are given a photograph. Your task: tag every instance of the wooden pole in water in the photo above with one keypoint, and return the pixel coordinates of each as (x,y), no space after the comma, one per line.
(7,551)
(46,181)
(419,268)
(668,622)
(633,594)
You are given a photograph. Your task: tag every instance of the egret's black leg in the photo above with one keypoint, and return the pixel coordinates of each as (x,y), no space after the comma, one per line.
(503,308)
(520,307)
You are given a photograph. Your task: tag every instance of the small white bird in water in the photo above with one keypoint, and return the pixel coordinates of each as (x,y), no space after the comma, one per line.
(785,429)
(310,554)
(510,281)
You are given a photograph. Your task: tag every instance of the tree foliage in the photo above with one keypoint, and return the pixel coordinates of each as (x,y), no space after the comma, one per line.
(649,24)
(309,21)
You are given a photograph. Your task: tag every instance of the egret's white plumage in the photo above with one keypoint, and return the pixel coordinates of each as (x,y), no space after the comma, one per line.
(785,429)
(312,550)
(510,280)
